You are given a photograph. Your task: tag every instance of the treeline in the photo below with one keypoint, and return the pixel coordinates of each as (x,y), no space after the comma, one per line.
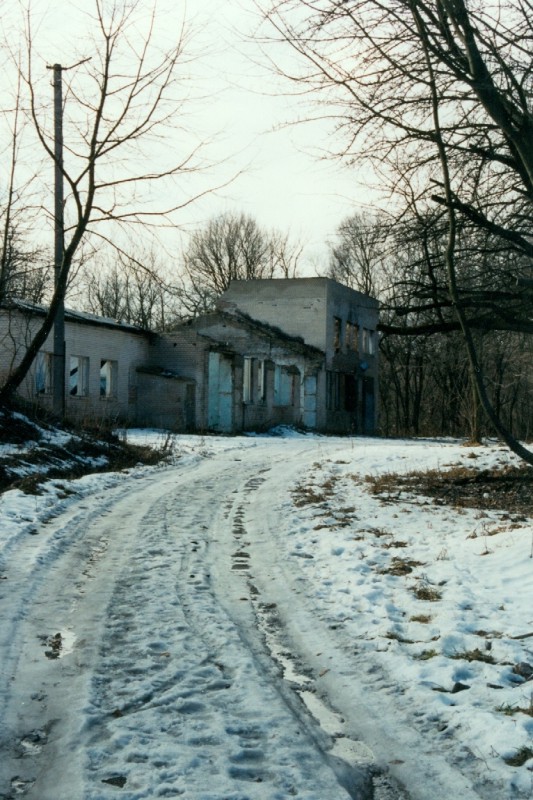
(151,288)
(426,386)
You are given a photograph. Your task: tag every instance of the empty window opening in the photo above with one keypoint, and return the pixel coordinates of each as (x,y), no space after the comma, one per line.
(247,380)
(350,393)
(368,342)
(43,373)
(352,336)
(261,380)
(108,378)
(78,385)
(333,391)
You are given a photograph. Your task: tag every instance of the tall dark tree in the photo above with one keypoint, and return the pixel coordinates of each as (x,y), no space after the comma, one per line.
(436,94)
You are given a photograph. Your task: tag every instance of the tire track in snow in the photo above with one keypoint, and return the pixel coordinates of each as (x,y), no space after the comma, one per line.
(350,760)
(319,662)
(161,695)
(65,589)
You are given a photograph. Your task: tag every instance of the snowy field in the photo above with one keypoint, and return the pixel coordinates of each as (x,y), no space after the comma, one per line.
(250,622)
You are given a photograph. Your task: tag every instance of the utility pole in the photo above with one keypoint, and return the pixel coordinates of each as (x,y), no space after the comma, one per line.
(59,366)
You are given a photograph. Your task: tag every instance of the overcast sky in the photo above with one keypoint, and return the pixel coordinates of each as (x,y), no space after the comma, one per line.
(283,183)
(286,183)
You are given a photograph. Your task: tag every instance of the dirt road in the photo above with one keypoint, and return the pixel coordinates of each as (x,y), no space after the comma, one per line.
(156,643)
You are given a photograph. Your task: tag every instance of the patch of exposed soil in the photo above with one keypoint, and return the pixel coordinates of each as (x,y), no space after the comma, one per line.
(14,429)
(507,489)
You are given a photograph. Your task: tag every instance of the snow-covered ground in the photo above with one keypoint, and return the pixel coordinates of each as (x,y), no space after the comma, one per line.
(249,622)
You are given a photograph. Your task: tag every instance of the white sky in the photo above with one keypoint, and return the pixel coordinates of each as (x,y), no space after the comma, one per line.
(287,183)
(281,180)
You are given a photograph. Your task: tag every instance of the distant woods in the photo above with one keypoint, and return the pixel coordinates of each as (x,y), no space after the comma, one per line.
(425,381)
(426,387)
(155,291)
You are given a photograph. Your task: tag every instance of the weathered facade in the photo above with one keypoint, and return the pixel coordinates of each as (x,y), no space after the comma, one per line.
(101,360)
(299,352)
(248,375)
(337,320)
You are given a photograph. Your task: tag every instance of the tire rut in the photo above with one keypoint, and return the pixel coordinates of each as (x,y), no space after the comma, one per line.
(350,759)
(194,703)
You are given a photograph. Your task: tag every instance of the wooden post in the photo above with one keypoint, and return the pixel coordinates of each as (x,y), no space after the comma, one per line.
(58,376)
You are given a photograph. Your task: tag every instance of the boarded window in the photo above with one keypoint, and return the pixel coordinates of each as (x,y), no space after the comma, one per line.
(108,378)
(78,385)
(284,386)
(261,380)
(43,373)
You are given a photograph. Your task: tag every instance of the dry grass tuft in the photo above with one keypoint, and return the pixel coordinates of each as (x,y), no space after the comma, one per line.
(425,655)
(510,710)
(505,488)
(474,655)
(401,566)
(423,591)
(397,637)
(520,757)
(424,619)
(305,495)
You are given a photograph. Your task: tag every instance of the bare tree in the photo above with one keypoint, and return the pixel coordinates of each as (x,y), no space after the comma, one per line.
(132,290)
(284,255)
(26,274)
(359,252)
(119,99)
(233,247)
(368,65)
(425,384)
(24,271)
